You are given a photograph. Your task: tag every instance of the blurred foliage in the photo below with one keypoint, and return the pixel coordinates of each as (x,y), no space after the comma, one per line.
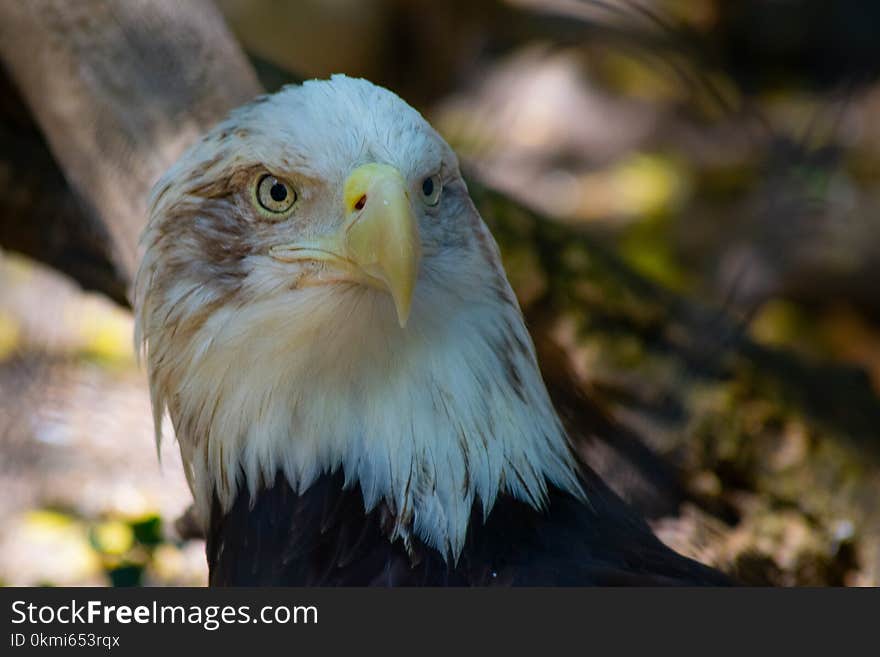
(778,444)
(115,549)
(84,496)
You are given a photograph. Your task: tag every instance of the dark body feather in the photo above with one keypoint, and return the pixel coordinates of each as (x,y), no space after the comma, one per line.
(325,537)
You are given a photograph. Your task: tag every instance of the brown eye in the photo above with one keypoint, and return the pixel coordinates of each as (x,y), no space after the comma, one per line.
(275,196)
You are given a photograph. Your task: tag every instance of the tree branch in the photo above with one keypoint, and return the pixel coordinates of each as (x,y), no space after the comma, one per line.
(119,90)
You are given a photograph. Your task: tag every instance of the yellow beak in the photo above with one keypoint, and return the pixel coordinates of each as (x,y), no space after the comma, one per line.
(379,242)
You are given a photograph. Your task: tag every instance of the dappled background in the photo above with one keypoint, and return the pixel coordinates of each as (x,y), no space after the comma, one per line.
(686,194)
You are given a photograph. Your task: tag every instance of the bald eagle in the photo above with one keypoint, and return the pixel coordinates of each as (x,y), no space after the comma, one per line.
(325,317)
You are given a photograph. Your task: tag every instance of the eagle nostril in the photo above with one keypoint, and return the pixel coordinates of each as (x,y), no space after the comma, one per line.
(361,202)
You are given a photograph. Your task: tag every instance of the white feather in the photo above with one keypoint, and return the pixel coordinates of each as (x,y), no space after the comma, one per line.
(316,378)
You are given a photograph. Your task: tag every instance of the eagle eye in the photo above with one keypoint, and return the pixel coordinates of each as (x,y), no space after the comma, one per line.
(274,196)
(431,188)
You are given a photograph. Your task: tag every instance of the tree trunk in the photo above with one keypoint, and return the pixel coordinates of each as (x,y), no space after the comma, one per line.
(119,90)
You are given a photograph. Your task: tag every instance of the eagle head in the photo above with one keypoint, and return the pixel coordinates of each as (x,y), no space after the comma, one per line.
(317,292)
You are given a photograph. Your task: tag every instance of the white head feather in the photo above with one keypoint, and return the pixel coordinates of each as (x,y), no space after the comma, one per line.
(264,371)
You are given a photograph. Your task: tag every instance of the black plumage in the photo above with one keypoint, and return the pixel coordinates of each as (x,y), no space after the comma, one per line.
(325,537)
